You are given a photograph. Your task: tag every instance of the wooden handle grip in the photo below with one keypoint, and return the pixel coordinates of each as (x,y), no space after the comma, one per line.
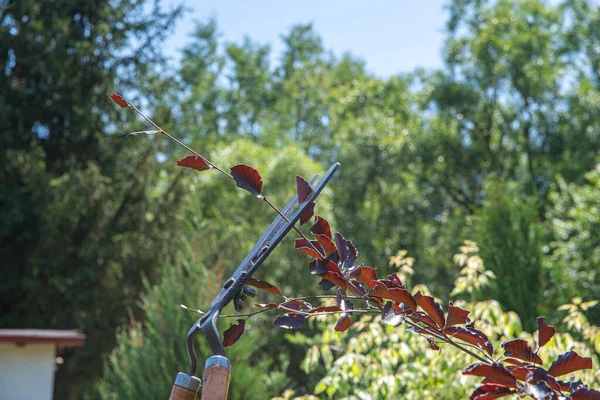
(216,378)
(185,387)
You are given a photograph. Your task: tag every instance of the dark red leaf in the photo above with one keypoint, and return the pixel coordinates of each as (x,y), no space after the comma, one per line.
(537,374)
(326,243)
(119,100)
(297,304)
(472,336)
(490,392)
(318,267)
(516,362)
(346,251)
(366,275)
(336,279)
(321,227)
(426,319)
(545,332)
(235,331)
(359,287)
(456,316)
(569,362)
(522,373)
(518,348)
(585,393)
(194,162)
(290,321)
(394,278)
(432,344)
(265,305)
(263,285)
(431,307)
(321,309)
(304,189)
(306,215)
(564,386)
(390,316)
(247,178)
(325,284)
(497,372)
(343,323)
(303,246)
(397,294)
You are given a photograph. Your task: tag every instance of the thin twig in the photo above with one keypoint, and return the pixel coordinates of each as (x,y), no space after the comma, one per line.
(188,148)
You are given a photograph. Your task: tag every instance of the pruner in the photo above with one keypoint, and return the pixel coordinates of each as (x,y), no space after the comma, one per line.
(217,367)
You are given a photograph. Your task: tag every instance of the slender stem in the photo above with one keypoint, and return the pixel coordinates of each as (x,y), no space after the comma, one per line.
(188,148)
(323,256)
(248,315)
(446,339)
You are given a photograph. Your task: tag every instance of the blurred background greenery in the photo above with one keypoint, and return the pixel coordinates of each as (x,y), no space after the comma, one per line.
(500,145)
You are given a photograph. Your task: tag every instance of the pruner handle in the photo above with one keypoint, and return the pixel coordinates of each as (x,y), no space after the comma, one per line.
(185,387)
(216,378)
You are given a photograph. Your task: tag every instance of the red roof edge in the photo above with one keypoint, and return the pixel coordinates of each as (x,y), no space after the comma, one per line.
(57,337)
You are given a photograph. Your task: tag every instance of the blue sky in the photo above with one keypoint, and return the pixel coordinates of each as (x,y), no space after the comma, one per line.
(392,36)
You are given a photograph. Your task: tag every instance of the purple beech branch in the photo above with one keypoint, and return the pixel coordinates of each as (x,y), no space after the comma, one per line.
(433,332)
(188,148)
(212,165)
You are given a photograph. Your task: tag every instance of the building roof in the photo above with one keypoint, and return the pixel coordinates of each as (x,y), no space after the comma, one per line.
(57,337)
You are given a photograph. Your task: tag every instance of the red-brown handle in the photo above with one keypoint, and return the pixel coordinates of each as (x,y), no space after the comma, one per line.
(216,378)
(185,387)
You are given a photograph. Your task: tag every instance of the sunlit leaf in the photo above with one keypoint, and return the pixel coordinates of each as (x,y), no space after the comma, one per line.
(569,362)
(537,374)
(390,316)
(472,336)
(121,102)
(194,162)
(336,279)
(306,248)
(456,316)
(518,348)
(516,362)
(247,178)
(540,391)
(490,392)
(585,393)
(432,344)
(545,332)
(366,275)
(396,294)
(321,227)
(495,371)
(263,285)
(326,243)
(431,307)
(233,334)
(290,321)
(343,323)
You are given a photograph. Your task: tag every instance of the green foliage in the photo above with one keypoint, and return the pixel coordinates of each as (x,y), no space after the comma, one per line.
(148,355)
(86,213)
(510,239)
(576,225)
(222,224)
(82,215)
(373,361)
